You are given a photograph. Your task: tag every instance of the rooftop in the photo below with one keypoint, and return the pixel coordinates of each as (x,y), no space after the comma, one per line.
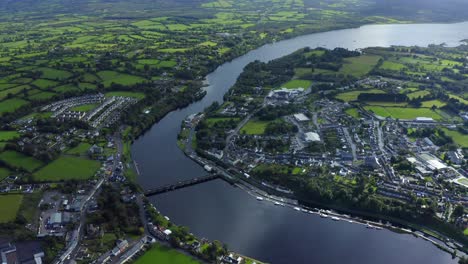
(312,136)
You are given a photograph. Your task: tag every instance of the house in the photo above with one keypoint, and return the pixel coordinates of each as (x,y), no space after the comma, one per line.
(21,252)
(301,117)
(94,150)
(455,157)
(371,161)
(120,247)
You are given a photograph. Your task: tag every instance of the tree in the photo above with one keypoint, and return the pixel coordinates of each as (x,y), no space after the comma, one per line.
(463,260)
(458,211)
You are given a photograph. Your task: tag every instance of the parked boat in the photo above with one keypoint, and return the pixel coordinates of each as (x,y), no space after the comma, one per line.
(259,198)
(334,218)
(297,208)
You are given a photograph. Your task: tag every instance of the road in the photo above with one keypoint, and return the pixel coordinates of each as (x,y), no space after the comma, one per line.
(72,251)
(380,139)
(350,142)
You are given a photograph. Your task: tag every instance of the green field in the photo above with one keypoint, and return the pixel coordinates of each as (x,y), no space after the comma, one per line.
(163,254)
(393,66)
(457,137)
(8,135)
(403,112)
(459,98)
(18,160)
(42,96)
(294,84)
(436,103)
(81,149)
(12,91)
(4,172)
(49,73)
(9,206)
(84,108)
(418,94)
(44,84)
(11,105)
(359,66)
(68,168)
(109,77)
(353,112)
(254,127)
(353,95)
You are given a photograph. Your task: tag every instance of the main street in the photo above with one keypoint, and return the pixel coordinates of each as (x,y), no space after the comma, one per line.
(73,249)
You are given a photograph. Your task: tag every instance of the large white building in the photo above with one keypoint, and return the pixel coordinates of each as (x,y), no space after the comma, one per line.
(311,137)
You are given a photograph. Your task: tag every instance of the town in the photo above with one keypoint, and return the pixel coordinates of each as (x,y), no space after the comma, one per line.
(401,144)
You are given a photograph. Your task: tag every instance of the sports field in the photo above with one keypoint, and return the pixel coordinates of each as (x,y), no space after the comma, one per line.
(163,254)
(403,112)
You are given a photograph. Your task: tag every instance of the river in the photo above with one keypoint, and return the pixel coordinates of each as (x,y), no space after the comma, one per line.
(216,210)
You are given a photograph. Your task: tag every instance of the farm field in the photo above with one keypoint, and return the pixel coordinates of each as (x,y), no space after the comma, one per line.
(4,172)
(8,135)
(403,112)
(359,66)
(457,137)
(68,168)
(110,77)
(393,66)
(81,149)
(18,160)
(163,254)
(418,94)
(9,206)
(353,95)
(459,98)
(10,105)
(431,103)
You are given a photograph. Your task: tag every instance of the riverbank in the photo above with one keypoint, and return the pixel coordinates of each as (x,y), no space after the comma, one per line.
(262,193)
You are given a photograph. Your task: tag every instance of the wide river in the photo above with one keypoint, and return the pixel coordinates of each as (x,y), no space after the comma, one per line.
(216,210)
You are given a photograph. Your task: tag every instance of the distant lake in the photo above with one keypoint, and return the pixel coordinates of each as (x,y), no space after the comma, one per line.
(216,210)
